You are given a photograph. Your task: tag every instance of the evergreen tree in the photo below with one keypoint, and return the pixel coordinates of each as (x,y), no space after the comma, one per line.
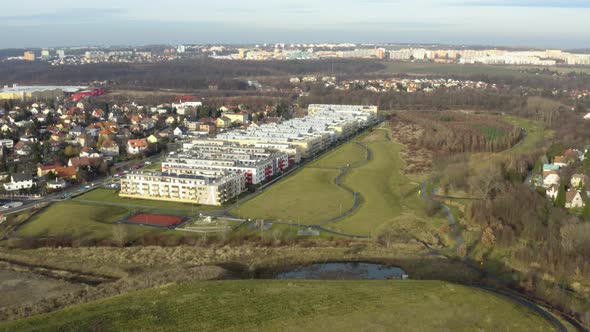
(560,199)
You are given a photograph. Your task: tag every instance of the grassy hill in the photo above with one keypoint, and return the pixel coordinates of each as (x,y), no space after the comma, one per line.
(265,305)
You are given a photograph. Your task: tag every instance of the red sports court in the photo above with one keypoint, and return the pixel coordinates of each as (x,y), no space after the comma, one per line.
(155,219)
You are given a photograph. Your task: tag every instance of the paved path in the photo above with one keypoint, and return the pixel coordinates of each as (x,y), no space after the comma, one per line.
(544,313)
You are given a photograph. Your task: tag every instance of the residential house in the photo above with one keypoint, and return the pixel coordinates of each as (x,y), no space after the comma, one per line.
(109,148)
(178,132)
(6,128)
(55,146)
(239,117)
(23,149)
(67,173)
(152,139)
(44,170)
(40,118)
(170,120)
(19,181)
(574,200)
(6,143)
(578,180)
(223,122)
(98,113)
(136,146)
(28,139)
(85,152)
(83,140)
(147,124)
(552,192)
(550,178)
(561,161)
(77,131)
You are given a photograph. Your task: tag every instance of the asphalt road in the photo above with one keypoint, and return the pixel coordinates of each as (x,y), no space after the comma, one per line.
(75,191)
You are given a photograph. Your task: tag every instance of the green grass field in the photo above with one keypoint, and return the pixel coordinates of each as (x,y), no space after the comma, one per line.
(536,133)
(387,197)
(83,222)
(273,305)
(307,197)
(344,155)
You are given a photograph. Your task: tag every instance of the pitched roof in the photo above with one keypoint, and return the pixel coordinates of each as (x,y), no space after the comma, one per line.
(49,167)
(19,177)
(138,143)
(66,172)
(570,195)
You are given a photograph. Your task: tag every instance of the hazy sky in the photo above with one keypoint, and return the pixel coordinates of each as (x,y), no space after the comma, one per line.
(545,23)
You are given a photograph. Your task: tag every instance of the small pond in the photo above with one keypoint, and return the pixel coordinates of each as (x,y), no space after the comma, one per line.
(344,270)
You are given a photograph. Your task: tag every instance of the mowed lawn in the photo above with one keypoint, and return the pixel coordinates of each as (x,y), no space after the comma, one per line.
(112,196)
(347,154)
(387,196)
(294,305)
(80,221)
(307,197)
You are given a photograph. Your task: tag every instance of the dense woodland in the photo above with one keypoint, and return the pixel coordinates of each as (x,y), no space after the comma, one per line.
(193,74)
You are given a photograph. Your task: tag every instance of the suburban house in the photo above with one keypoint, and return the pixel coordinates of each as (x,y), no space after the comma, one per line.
(135,146)
(239,117)
(552,191)
(23,149)
(561,161)
(152,139)
(550,178)
(578,180)
(574,200)
(19,181)
(178,132)
(44,170)
(109,148)
(66,173)
(6,143)
(223,122)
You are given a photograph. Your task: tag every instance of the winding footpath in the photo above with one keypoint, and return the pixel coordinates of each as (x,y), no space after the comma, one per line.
(544,313)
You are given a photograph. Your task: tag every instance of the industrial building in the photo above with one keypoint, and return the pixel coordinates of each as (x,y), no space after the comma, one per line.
(36,91)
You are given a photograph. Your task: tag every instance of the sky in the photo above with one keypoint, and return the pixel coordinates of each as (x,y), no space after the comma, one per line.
(536,23)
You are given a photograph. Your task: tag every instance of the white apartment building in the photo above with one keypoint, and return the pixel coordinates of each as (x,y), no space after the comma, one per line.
(204,187)
(324,125)
(256,163)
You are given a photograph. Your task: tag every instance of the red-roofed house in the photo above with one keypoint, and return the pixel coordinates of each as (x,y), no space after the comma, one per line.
(135,146)
(44,170)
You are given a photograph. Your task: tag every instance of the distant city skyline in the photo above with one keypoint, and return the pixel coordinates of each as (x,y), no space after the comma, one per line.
(543,23)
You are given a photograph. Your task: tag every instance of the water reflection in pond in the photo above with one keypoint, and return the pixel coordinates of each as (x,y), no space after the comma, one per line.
(349,270)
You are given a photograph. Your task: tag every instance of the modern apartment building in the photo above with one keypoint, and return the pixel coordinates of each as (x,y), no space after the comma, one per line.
(205,187)
(213,171)
(259,164)
(324,125)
